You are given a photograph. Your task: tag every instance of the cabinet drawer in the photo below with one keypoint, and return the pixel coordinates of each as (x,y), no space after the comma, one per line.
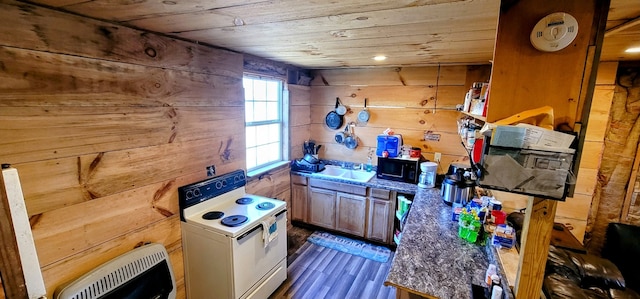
(298,179)
(342,187)
(380,193)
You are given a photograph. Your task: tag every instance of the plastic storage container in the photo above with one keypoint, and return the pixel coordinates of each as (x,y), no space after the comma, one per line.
(390,143)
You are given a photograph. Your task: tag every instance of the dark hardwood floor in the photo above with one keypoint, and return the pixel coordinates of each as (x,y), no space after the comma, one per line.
(318,272)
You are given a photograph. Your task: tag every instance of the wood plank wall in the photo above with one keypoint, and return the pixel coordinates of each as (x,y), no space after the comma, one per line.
(103,124)
(620,151)
(574,211)
(411,100)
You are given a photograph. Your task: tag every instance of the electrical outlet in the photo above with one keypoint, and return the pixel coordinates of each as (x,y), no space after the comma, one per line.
(437,157)
(211,170)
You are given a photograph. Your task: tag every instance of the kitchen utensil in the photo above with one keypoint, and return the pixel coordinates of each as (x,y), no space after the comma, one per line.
(363,116)
(317,149)
(351,142)
(341,136)
(333,120)
(340,109)
(309,147)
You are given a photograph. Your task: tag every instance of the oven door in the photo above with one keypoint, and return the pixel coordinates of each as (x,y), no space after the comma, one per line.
(253,263)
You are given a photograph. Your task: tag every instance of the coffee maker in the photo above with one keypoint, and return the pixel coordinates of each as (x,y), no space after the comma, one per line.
(427,174)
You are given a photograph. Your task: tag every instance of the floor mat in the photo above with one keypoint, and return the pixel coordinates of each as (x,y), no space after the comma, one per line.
(355,247)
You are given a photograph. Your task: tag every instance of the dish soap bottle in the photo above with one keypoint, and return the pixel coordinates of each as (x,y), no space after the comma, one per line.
(369,166)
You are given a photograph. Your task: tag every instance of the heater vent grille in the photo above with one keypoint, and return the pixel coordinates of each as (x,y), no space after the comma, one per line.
(111,275)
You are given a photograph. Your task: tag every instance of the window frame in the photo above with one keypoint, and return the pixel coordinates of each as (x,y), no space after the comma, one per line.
(283,111)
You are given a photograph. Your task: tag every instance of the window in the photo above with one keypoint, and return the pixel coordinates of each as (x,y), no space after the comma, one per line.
(265,111)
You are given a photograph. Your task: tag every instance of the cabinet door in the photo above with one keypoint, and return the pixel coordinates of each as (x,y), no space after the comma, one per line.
(351,213)
(378,228)
(322,207)
(298,202)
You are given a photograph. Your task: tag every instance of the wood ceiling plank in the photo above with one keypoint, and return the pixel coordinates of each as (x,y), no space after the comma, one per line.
(406,33)
(412,15)
(128,10)
(613,48)
(270,12)
(318,22)
(623,10)
(329,63)
(366,50)
(405,43)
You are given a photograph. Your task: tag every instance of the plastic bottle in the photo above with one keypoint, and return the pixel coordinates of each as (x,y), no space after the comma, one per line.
(496,292)
(495,284)
(490,271)
(369,166)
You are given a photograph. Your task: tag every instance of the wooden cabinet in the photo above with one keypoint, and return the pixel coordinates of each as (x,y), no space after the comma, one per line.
(380,209)
(327,198)
(352,209)
(322,207)
(378,220)
(351,213)
(299,198)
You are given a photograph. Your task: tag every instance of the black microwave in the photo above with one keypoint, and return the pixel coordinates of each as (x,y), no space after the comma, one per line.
(397,169)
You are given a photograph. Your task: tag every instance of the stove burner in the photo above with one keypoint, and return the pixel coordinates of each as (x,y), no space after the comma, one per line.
(212,215)
(265,206)
(234,220)
(244,200)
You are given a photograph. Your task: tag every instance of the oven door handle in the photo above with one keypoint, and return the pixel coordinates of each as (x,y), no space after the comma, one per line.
(257,227)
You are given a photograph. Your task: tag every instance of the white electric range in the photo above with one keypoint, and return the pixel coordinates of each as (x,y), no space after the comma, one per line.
(234,244)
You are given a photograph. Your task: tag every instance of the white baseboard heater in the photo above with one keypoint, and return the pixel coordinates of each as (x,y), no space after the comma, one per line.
(143,273)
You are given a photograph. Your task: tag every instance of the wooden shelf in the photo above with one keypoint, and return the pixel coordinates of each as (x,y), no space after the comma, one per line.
(478,117)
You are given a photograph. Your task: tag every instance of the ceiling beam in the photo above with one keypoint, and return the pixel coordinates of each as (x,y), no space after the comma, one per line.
(622,27)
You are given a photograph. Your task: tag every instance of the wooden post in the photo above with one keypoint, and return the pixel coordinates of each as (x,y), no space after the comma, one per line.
(10,267)
(536,236)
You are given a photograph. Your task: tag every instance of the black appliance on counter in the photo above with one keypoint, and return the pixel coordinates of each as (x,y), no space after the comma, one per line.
(397,169)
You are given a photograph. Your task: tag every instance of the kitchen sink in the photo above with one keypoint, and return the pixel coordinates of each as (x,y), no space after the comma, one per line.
(337,172)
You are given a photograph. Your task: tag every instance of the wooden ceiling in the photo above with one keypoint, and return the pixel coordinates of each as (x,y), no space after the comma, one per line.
(346,33)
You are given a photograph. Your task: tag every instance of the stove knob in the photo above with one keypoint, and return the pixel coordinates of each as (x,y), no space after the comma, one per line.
(189,194)
(218,185)
(196,192)
(224,183)
(238,178)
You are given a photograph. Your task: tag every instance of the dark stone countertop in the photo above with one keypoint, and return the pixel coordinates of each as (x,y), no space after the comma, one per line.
(431,260)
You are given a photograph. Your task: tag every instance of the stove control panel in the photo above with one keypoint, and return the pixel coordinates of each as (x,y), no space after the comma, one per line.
(198,192)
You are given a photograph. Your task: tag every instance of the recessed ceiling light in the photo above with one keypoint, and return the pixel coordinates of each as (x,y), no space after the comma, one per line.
(633,50)
(380,58)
